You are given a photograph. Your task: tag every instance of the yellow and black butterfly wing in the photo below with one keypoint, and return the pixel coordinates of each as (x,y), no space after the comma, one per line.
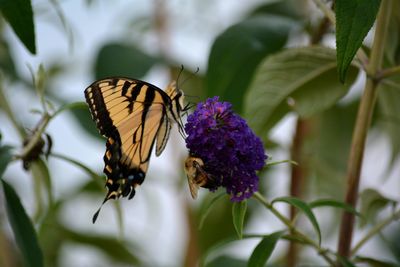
(163,134)
(131,114)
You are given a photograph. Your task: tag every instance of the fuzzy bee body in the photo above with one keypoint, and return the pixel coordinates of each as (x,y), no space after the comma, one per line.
(196,175)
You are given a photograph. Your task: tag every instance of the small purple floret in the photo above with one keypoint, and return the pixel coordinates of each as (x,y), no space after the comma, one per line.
(231,152)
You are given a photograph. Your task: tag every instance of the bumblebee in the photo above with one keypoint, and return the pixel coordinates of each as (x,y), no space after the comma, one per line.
(197,176)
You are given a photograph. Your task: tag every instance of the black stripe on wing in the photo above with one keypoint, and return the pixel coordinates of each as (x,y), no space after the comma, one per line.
(98,109)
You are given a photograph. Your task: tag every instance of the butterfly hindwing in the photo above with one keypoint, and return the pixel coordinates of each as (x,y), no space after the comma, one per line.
(132,114)
(162,135)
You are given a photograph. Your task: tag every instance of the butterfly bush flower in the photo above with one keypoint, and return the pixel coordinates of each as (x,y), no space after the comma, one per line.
(231,152)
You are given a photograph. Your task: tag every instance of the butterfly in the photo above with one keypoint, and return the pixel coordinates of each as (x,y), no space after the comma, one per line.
(196,175)
(133,115)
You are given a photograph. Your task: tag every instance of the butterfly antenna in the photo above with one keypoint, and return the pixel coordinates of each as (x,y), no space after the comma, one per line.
(181,130)
(193,96)
(189,77)
(179,75)
(187,107)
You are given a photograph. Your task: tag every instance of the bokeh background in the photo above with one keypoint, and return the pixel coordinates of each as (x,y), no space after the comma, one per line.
(81,41)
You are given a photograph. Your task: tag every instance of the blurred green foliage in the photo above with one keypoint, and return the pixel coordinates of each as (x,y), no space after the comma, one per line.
(20,16)
(117,59)
(22,227)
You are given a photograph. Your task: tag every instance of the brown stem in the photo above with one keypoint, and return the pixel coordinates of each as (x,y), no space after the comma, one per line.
(297,180)
(354,169)
(299,170)
(386,73)
(192,255)
(321,31)
(361,127)
(161,26)
(8,255)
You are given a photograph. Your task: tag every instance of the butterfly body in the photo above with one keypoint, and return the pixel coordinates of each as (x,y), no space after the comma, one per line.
(133,115)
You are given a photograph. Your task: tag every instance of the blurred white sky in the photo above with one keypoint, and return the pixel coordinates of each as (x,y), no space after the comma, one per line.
(92,26)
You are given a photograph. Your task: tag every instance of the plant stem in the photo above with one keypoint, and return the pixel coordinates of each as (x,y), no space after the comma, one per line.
(272,163)
(97,178)
(161,26)
(192,254)
(7,109)
(326,10)
(41,127)
(391,83)
(363,122)
(321,251)
(388,72)
(299,171)
(374,230)
(269,206)
(297,179)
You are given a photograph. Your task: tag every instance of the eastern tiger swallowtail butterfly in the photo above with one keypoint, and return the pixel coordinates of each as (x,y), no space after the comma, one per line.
(197,176)
(132,115)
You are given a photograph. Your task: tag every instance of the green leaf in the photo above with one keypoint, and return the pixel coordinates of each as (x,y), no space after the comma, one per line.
(50,237)
(215,248)
(40,80)
(5,158)
(392,43)
(218,225)
(111,247)
(299,79)
(7,64)
(225,260)
(41,174)
(372,202)
(264,249)
(96,178)
(236,53)
(41,178)
(375,262)
(305,208)
(296,238)
(329,153)
(345,262)
(116,59)
(207,208)
(22,227)
(333,203)
(354,19)
(287,8)
(20,16)
(78,164)
(238,214)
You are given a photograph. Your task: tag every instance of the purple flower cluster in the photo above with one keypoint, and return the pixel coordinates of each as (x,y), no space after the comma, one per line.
(231,152)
